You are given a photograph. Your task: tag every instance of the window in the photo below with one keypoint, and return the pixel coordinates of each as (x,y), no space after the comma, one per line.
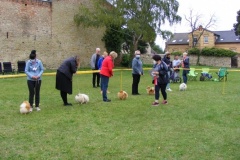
(205,39)
(195,41)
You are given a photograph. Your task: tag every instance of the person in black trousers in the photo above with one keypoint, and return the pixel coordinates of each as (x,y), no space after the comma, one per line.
(64,77)
(94,65)
(34,70)
(137,71)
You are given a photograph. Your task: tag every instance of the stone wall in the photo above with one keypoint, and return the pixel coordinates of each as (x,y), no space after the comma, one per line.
(204,60)
(47,27)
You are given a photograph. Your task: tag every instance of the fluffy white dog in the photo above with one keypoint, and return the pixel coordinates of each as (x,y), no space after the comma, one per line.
(182,87)
(25,107)
(82,98)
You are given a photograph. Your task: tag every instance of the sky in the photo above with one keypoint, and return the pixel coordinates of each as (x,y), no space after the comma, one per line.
(225,12)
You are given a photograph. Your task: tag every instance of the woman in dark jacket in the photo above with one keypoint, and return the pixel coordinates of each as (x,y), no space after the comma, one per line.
(185,66)
(161,79)
(64,77)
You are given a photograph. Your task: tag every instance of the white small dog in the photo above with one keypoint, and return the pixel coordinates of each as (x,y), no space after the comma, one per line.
(82,98)
(182,87)
(25,107)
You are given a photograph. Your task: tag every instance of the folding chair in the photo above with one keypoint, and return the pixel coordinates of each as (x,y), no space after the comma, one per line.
(192,75)
(206,74)
(1,71)
(7,68)
(21,66)
(222,74)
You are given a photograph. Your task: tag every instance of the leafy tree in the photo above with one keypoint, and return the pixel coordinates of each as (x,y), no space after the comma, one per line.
(157,49)
(142,18)
(113,38)
(236,26)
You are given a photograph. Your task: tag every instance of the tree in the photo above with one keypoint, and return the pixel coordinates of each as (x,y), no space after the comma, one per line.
(143,18)
(195,23)
(113,38)
(236,26)
(157,49)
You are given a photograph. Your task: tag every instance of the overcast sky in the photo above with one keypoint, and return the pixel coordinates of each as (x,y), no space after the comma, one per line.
(225,12)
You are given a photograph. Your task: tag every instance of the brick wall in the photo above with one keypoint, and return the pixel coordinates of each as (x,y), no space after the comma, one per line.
(48,28)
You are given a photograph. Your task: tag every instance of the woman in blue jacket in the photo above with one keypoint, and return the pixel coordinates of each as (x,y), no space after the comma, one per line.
(34,70)
(161,79)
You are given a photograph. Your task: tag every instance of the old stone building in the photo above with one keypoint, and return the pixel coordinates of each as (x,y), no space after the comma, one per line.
(204,38)
(48,27)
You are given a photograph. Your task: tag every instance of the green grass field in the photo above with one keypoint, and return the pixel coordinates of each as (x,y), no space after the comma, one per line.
(200,123)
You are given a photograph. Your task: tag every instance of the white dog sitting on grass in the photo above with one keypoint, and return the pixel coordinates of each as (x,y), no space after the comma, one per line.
(81,98)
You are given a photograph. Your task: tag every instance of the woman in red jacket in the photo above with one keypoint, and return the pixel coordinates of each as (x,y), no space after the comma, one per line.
(107,72)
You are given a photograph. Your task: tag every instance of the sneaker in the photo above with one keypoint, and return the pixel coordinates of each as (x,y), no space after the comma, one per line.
(164,102)
(169,89)
(38,109)
(155,104)
(108,100)
(31,109)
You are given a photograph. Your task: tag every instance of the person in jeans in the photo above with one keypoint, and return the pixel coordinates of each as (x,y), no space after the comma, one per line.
(137,71)
(185,66)
(104,55)
(94,65)
(64,77)
(34,70)
(106,72)
(161,79)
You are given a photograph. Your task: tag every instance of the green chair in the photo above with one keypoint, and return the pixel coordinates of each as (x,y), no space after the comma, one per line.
(192,75)
(222,74)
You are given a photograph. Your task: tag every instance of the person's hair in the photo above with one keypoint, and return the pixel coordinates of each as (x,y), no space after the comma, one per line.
(156,57)
(32,54)
(97,49)
(185,53)
(113,54)
(137,52)
(105,53)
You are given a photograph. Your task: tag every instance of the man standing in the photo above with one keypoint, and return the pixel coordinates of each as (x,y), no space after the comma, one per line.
(94,66)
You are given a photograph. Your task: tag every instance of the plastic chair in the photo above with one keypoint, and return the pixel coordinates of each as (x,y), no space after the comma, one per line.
(222,74)
(7,68)
(21,66)
(192,75)
(206,74)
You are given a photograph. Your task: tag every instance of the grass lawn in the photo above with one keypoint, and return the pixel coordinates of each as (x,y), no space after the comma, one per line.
(200,123)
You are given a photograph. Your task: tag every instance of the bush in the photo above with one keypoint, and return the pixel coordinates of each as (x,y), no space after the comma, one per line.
(218,52)
(194,51)
(125,60)
(176,53)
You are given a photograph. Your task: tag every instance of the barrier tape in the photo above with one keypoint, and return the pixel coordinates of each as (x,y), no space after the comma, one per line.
(95,71)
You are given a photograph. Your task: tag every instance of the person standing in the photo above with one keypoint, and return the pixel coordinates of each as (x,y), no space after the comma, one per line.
(167,60)
(94,65)
(64,77)
(104,55)
(185,66)
(106,72)
(161,79)
(137,71)
(34,70)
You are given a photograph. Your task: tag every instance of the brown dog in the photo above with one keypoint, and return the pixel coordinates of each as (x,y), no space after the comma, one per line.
(25,107)
(150,90)
(122,95)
